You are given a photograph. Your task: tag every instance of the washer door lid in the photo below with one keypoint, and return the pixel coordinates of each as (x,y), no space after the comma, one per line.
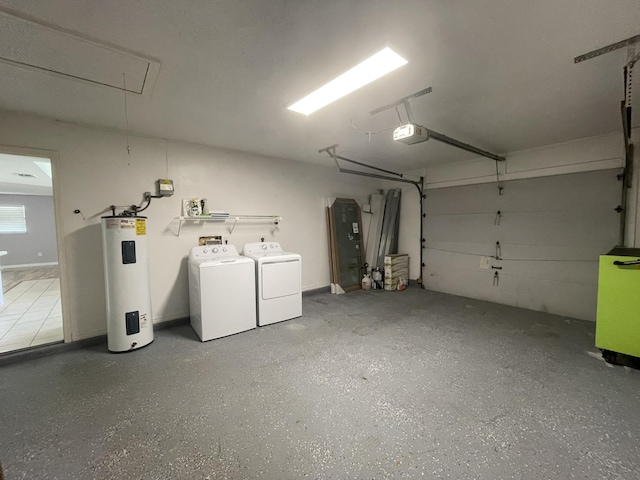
(280,279)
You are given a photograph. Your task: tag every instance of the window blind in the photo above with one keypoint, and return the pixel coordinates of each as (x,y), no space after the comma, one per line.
(12,219)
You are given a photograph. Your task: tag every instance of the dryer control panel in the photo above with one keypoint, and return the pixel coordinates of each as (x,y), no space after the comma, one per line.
(261,247)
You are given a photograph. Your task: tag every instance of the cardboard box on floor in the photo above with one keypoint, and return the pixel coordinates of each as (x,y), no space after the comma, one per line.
(394,263)
(396,266)
(396,259)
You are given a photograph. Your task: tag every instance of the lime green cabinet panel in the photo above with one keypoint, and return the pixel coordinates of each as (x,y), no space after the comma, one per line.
(618,315)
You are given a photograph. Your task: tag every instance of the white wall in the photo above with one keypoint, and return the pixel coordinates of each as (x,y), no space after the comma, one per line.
(589,154)
(91,172)
(23,248)
(470,186)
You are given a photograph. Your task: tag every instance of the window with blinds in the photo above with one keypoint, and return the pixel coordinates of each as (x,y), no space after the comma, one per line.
(12,219)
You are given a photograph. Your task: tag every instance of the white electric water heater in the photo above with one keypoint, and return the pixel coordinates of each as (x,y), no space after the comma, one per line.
(126,273)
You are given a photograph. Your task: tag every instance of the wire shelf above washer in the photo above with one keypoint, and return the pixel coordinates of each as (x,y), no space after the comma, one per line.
(275,219)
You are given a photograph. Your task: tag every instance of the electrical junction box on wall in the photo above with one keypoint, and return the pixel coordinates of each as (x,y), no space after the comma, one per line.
(410,134)
(211,240)
(165,187)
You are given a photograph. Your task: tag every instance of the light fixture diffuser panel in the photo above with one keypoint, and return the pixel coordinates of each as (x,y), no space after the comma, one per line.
(374,67)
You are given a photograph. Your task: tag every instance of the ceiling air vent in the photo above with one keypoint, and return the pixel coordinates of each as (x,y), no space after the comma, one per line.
(27,175)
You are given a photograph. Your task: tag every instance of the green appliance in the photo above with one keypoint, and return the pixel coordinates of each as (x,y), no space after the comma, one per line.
(618,315)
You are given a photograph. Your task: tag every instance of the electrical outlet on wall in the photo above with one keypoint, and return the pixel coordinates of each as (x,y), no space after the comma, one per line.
(39,254)
(484,263)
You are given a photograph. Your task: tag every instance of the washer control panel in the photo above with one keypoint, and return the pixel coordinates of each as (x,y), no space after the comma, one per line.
(214,251)
(261,247)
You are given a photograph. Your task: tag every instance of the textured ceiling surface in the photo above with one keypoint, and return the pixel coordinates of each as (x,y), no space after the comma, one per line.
(502,72)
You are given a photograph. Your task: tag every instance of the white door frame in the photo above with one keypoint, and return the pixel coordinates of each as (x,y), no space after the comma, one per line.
(57,211)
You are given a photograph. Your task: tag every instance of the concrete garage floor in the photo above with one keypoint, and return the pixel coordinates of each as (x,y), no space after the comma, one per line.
(366,385)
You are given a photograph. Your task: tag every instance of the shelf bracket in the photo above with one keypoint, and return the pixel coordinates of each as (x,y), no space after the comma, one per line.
(235,221)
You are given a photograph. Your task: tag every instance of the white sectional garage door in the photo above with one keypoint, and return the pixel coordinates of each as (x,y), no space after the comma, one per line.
(551,231)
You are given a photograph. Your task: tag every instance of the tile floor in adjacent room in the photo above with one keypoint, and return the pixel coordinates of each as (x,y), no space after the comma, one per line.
(31,315)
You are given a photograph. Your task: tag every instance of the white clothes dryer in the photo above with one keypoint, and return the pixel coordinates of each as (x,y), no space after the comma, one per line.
(278,282)
(222,289)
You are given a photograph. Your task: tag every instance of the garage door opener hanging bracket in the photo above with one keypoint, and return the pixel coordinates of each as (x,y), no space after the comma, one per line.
(432,134)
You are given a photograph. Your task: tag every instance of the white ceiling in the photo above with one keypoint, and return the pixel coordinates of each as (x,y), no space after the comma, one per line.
(38,183)
(502,72)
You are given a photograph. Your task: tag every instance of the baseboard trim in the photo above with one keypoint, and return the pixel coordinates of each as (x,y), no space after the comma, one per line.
(316,291)
(45,264)
(327,289)
(171,323)
(40,351)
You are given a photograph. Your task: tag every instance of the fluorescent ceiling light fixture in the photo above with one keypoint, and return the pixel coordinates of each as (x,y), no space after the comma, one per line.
(374,67)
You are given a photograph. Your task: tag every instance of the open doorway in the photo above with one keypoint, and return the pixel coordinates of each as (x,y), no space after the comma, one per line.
(30,303)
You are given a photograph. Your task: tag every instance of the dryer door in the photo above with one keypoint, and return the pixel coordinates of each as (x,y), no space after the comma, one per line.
(280,279)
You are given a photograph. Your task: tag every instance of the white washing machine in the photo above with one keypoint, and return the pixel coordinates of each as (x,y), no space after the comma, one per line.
(222,289)
(278,280)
